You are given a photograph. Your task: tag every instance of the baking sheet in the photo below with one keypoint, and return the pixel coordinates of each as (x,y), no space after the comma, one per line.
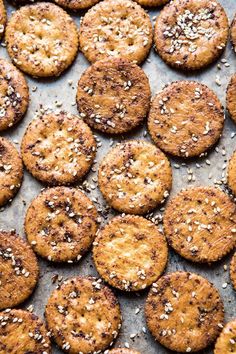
(59,93)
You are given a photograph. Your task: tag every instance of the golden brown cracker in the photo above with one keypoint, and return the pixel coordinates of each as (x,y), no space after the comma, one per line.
(22,332)
(76,5)
(231,98)
(186,118)
(83,315)
(199,224)
(61,224)
(3,18)
(134,177)
(184,312)
(116,28)
(58,148)
(226,342)
(152,3)
(191,34)
(113,95)
(233,33)
(130,253)
(231,173)
(233,271)
(42,39)
(14,95)
(11,171)
(18,270)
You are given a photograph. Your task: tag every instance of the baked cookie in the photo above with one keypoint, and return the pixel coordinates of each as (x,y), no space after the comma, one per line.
(233,271)
(83,316)
(116,28)
(231,98)
(134,177)
(18,270)
(152,3)
(11,171)
(233,33)
(191,34)
(130,253)
(22,332)
(184,312)
(61,224)
(42,39)
(76,5)
(58,148)
(186,118)
(122,351)
(3,18)
(113,95)
(226,342)
(199,224)
(14,95)
(231,173)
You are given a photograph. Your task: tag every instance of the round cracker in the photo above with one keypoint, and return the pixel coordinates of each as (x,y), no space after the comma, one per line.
(18,270)
(23,332)
(42,39)
(113,95)
(226,342)
(61,224)
(186,118)
(233,271)
(3,18)
(116,28)
(83,315)
(231,98)
(11,171)
(58,148)
(134,177)
(130,253)
(233,33)
(199,223)
(184,312)
(14,95)
(76,5)
(191,34)
(122,351)
(231,173)
(152,3)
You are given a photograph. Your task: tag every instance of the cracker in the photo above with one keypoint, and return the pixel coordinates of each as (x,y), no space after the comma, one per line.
(134,177)
(184,312)
(76,5)
(233,33)
(231,173)
(42,39)
(3,18)
(231,98)
(11,171)
(199,224)
(14,95)
(130,253)
(116,28)
(186,118)
(18,270)
(191,34)
(226,342)
(233,271)
(113,95)
(121,351)
(83,316)
(22,332)
(61,224)
(58,148)
(152,3)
